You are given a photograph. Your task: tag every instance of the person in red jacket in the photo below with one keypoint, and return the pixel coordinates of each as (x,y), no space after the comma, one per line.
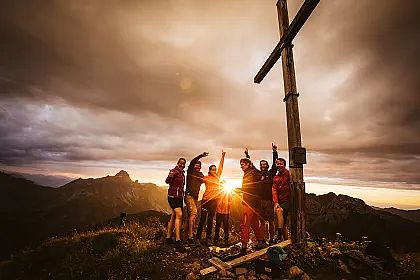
(281,197)
(222,215)
(176,181)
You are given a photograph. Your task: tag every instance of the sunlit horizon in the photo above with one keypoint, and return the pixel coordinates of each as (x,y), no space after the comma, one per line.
(374,193)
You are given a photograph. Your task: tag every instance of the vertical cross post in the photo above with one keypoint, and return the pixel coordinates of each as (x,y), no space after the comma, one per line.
(298,229)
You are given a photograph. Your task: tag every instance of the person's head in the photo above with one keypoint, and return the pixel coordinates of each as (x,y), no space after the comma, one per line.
(197,166)
(280,164)
(245,163)
(181,163)
(264,165)
(212,170)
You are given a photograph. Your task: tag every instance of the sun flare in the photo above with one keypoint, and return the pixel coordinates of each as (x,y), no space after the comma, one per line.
(230,184)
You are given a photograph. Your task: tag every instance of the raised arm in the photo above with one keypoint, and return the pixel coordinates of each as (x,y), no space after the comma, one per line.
(170,177)
(273,169)
(246,153)
(222,161)
(195,160)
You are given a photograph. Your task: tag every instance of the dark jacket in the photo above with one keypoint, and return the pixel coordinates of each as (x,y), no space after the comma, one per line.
(194,178)
(251,186)
(176,183)
(266,179)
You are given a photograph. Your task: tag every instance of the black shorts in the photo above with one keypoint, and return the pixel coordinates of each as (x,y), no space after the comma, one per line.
(286,207)
(175,202)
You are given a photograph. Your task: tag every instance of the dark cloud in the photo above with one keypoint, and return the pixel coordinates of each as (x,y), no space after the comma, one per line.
(151,80)
(378,42)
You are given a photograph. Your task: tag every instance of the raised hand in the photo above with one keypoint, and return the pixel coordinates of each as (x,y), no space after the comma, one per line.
(223,153)
(246,152)
(274,147)
(171,174)
(205,154)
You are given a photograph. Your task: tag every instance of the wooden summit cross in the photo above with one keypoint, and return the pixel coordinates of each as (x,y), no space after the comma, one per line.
(297,154)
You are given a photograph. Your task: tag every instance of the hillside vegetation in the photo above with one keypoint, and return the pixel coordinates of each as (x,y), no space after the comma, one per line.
(136,252)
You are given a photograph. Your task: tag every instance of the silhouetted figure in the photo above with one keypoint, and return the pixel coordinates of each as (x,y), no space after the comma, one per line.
(210,199)
(122,220)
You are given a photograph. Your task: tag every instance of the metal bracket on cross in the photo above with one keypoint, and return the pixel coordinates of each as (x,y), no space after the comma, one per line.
(290,94)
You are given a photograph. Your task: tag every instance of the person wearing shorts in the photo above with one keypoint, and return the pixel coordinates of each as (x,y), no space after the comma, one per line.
(281,198)
(194,181)
(176,181)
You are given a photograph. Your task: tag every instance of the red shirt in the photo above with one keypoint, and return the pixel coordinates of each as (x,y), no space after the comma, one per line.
(212,187)
(281,187)
(176,183)
(224,203)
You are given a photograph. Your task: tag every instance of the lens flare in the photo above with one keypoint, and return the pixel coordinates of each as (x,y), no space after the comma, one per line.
(229,185)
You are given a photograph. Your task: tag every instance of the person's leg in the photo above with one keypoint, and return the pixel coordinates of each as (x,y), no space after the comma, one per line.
(280,222)
(192,214)
(178,222)
(171,224)
(257,224)
(269,218)
(271,229)
(285,232)
(285,208)
(211,213)
(219,218)
(226,228)
(245,226)
(202,221)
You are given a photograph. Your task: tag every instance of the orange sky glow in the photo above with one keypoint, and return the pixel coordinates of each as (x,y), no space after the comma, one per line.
(90,88)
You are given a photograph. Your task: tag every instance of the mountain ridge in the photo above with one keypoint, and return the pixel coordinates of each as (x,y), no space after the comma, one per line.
(31,213)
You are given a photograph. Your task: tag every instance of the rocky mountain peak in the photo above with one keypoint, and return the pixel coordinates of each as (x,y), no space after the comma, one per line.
(122,174)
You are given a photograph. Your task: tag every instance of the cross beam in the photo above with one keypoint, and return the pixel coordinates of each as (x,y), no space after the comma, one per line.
(297,23)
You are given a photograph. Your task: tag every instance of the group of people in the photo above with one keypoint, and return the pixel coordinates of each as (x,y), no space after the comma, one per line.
(265,197)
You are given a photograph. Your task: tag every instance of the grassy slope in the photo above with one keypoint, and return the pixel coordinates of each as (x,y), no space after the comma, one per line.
(135,253)
(103,254)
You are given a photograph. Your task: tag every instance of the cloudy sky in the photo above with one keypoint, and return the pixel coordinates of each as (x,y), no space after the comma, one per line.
(91,87)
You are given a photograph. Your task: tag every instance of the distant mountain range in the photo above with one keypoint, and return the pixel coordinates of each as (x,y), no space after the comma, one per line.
(412,215)
(30,213)
(330,213)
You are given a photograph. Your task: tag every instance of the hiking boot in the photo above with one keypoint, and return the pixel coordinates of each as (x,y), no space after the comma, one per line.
(179,247)
(261,244)
(169,241)
(192,242)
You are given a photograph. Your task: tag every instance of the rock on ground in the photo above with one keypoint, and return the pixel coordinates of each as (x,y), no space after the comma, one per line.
(295,271)
(191,276)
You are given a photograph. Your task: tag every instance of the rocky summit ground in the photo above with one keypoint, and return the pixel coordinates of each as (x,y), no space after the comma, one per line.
(137,252)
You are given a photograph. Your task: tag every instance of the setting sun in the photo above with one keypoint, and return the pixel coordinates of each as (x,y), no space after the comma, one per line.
(230,184)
